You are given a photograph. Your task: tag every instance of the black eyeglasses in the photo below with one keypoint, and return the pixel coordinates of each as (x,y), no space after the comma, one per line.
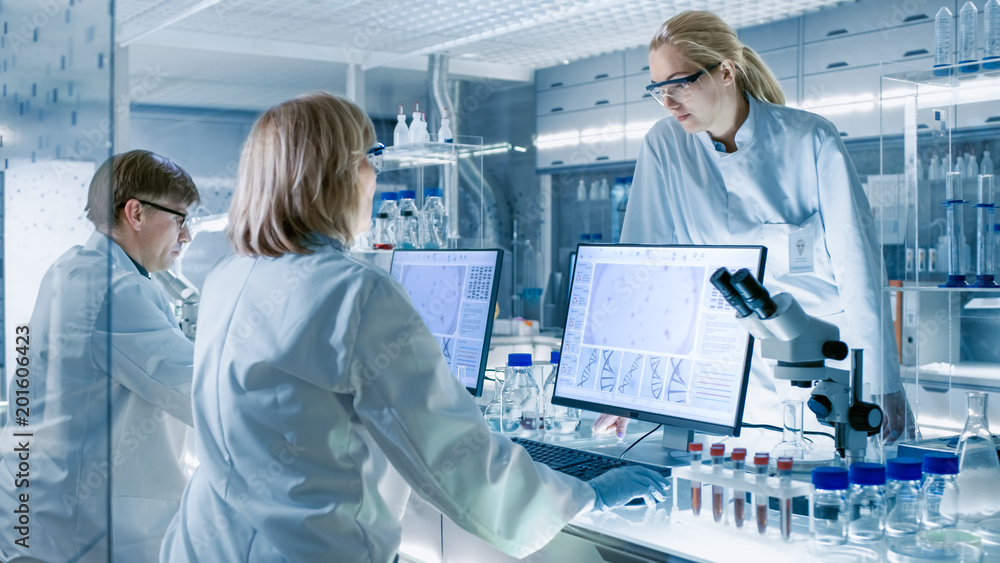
(183,216)
(678,89)
(375,157)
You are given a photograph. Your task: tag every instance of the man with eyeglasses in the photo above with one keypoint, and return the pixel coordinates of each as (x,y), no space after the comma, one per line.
(110,374)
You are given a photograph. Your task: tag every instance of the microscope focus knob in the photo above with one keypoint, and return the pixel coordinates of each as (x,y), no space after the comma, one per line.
(865,417)
(821,406)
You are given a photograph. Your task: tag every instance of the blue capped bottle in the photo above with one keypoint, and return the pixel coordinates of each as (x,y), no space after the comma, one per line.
(434,220)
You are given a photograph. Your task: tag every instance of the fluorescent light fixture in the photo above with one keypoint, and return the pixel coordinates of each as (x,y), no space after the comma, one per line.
(520,149)
(210,223)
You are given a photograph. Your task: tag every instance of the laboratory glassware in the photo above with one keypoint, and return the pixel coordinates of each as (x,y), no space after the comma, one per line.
(558,419)
(939,493)
(954,229)
(415,133)
(390,205)
(902,491)
(986,166)
(434,220)
(694,452)
(991,29)
(867,502)
(978,467)
(718,453)
(408,223)
(830,510)
(383,238)
(942,41)
(444,132)
(968,18)
(985,212)
(760,462)
(739,457)
(785,505)
(521,397)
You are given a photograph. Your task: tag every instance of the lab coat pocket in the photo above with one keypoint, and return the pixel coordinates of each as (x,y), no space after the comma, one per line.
(795,250)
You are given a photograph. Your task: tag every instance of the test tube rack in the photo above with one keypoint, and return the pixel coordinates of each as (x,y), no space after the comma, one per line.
(731,481)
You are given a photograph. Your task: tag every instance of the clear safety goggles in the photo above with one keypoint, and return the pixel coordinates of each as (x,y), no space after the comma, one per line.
(679,90)
(375,157)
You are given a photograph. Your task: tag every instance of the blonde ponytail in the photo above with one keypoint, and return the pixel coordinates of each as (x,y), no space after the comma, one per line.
(704,39)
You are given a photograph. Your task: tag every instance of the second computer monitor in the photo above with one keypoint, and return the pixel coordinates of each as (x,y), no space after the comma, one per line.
(455,292)
(648,336)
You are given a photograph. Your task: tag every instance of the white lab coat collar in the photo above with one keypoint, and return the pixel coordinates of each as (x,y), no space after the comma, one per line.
(106,246)
(744,135)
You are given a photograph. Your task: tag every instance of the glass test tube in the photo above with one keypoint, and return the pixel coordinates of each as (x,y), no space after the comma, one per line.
(785,505)
(695,449)
(718,453)
(739,497)
(956,239)
(985,209)
(760,461)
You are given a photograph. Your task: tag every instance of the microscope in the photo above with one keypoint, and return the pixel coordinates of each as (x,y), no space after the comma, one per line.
(185,296)
(801,344)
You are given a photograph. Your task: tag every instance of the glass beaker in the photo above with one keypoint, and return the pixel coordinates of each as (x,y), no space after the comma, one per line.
(521,397)
(978,466)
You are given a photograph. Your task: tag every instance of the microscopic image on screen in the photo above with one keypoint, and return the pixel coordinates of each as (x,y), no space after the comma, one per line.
(590,368)
(630,374)
(644,307)
(436,292)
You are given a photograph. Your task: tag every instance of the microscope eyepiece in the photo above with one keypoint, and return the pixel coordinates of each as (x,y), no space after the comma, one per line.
(753,294)
(722,281)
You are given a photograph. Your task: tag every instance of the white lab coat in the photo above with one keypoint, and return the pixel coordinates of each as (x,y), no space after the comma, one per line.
(790,171)
(77,328)
(318,391)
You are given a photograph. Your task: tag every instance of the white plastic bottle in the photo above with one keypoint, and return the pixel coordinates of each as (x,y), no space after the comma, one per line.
(987,165)
(424,133)
(942,40)
(408,224)
(991,29)
(401,134)
(968,18)
(415,136)
(971,168)
(444,132)
(434,220)
(581,191)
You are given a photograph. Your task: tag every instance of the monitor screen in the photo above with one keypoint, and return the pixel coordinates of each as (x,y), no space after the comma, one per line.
(649,337)
(455,292)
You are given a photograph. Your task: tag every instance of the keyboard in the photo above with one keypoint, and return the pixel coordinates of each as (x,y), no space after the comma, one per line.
(575,463)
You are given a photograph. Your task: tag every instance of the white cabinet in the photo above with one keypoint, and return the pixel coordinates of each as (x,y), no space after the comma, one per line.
(580,72)
(639,117)
(610,91)
(869,15)
(897,44)
(637,60)
(635,88)
(771,36)
(578,138)
(784,63)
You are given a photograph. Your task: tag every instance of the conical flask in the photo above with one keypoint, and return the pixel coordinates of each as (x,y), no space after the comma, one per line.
(979,467)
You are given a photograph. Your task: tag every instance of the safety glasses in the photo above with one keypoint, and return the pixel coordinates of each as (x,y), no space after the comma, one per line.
(180,222)
(375,157)
(678,89)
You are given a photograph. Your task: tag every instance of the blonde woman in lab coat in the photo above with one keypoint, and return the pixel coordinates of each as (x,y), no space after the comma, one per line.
(320,397)
(732,164)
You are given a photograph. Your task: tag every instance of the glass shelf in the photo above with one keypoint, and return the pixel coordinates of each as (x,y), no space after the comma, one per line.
(432,153)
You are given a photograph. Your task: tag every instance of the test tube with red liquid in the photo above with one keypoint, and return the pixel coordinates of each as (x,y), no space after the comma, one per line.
(760,461)
(739,457)
(718,453)
(695,449)
(785,506)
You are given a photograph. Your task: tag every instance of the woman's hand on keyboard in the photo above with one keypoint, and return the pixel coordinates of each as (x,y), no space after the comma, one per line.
(618,486)
(608,423)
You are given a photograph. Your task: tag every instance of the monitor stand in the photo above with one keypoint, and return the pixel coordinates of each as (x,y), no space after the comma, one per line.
(677,438)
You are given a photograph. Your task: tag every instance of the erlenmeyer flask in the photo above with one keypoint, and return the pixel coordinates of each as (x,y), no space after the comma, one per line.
(792,444)
(979,468)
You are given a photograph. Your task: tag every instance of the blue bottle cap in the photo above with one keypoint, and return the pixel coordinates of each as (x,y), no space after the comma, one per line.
(867,474)
(830,478)
(407,194)
(432,192)
(941,463)
(904,469)
(585,237)
(597,236)
(389,196)
(519,360)
(554,357)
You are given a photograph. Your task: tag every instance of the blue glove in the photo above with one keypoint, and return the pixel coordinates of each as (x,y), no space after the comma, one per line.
(620,485)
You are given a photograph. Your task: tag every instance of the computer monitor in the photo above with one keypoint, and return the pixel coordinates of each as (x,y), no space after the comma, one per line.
(572,270)
(649,337)
(455,292)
